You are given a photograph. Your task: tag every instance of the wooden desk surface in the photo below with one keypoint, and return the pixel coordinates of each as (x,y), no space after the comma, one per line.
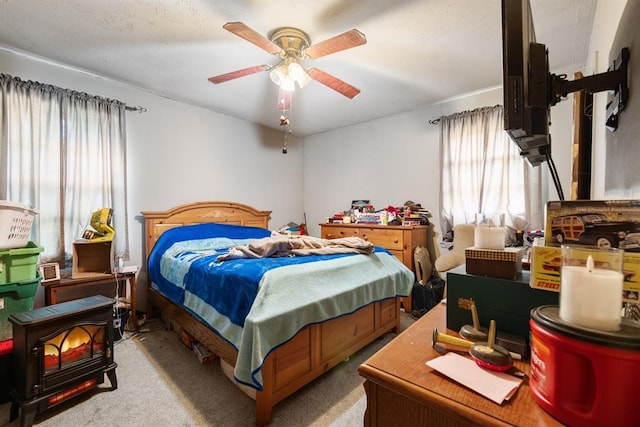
(398,373)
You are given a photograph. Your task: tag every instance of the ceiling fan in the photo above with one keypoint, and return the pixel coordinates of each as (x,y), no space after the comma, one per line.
(292,45)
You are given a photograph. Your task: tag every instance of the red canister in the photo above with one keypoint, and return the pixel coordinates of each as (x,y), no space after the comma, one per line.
(581,376)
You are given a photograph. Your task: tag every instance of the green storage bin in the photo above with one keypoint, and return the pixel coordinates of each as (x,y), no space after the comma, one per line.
(19,265)
(15,298)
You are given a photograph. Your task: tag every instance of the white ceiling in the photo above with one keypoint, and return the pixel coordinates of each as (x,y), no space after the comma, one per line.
(418,52)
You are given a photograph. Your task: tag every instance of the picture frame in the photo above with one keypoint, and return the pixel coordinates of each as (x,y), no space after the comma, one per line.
(50,272)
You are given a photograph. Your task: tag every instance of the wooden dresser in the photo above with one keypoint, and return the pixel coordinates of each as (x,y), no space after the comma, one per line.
(399,240)
(403,391)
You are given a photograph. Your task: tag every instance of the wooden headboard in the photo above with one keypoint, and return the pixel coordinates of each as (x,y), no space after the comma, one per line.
(156,223)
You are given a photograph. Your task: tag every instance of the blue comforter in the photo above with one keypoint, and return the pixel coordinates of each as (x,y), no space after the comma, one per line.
(259,304)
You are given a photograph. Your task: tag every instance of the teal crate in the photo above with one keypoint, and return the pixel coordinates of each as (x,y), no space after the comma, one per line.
(19,265)
(16,298)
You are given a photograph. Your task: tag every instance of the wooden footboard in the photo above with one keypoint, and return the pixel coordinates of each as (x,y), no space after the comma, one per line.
(311,352)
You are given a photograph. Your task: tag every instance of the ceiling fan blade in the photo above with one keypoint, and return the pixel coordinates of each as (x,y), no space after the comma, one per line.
(238,73)
(334,83)
(335,44)
(252,36)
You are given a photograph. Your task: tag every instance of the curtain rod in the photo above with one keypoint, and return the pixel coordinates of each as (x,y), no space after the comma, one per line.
(138,109)
(53,88)
(437,121)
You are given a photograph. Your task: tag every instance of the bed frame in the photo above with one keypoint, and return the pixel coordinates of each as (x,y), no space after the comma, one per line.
(311,352)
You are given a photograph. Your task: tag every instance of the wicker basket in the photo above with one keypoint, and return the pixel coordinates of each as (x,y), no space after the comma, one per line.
(15,224)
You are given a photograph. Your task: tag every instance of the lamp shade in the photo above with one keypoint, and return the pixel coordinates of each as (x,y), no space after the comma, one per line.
(278,74)
(304,79)
(295,71)
(288,84)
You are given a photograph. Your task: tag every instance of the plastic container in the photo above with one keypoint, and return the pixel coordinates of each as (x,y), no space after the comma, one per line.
(19,265)
(15,298)
(16,221)
(584,376)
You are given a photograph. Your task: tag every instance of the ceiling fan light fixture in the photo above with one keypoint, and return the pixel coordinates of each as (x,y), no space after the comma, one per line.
(278,74)
(304,79)
(295,71)
(288,84)
(292,46)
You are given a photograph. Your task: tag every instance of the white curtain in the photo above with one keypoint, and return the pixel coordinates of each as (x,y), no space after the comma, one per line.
(482,172)
(63,153)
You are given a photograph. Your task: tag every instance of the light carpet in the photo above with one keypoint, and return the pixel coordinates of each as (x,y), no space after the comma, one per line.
(162,383)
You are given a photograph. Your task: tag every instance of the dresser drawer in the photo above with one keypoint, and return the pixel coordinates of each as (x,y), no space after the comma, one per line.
(397,254)
(386,238)
(340,232)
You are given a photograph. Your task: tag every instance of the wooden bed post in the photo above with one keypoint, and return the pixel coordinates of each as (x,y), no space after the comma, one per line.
(265,398)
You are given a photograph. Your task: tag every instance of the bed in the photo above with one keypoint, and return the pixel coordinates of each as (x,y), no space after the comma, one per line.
(315,333)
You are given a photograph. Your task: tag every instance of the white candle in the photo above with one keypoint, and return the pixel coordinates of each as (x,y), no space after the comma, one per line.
(591,297)
(489,237)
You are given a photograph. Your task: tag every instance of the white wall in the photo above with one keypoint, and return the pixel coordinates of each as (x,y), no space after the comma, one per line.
(396,159)
(606,20)
(178,153)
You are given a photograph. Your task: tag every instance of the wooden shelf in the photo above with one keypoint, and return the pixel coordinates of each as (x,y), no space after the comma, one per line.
(67,289)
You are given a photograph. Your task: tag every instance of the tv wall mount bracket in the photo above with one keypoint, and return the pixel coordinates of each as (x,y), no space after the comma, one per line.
(615,79)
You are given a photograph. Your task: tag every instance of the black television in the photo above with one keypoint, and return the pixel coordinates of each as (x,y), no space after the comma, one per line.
(530,90)
(525,82)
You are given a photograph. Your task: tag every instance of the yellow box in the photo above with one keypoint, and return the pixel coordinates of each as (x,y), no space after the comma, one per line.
(545,271)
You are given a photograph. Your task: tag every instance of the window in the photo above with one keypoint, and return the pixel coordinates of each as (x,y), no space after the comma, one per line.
(482,171)
(63,153)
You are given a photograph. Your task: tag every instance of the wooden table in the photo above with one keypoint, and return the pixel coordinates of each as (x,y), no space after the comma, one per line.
(403,391)
(68,288)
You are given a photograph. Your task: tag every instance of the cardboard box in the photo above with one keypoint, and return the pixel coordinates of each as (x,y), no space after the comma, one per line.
(506,263)
(545,271)
(599,223)
(508,302)
(603,223)
(92,259)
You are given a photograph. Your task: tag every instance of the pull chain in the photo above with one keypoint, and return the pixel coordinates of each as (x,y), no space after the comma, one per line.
(284,102)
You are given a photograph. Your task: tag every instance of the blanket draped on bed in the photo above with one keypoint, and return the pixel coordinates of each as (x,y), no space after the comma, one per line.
(277,246)
(258,304)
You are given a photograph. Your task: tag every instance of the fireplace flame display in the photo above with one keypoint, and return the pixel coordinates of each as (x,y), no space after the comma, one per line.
(74,344)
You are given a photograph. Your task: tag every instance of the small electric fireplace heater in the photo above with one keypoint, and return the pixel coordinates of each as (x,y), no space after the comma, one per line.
(59,352)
